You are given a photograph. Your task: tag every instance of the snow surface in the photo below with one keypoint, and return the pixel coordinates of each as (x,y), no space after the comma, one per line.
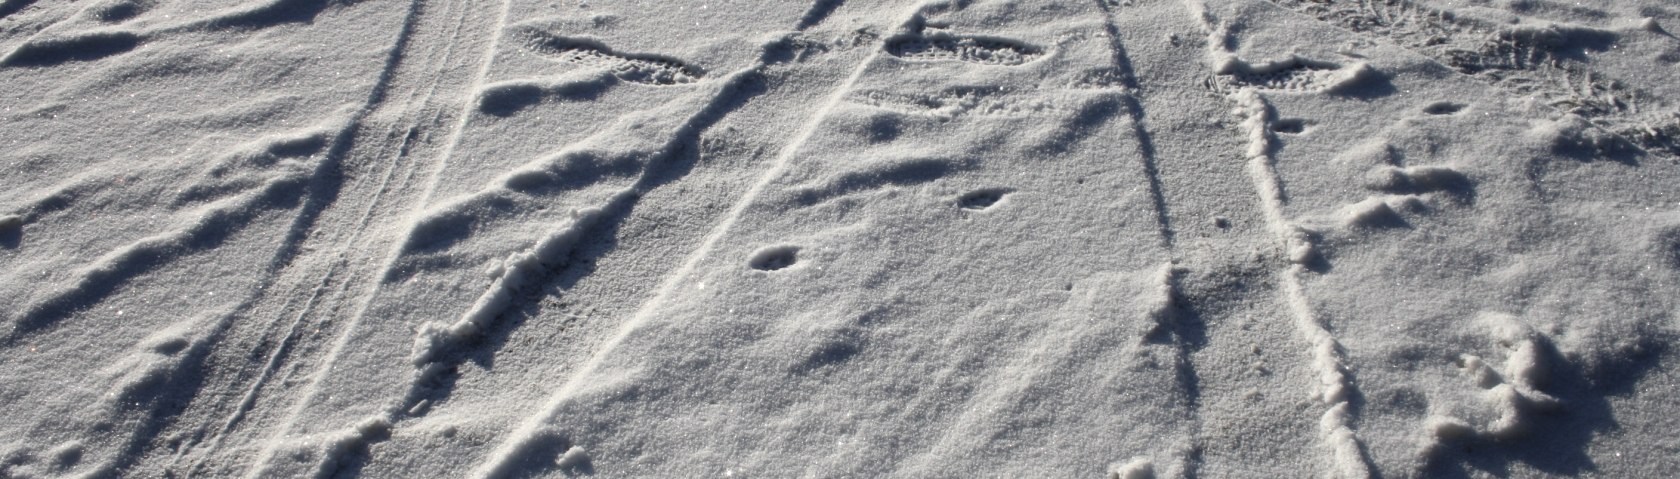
(839,238)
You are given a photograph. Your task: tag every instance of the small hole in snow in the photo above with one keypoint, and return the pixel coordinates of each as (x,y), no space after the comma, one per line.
(774,258)
(982,199)
(1443,108)
(1290,125)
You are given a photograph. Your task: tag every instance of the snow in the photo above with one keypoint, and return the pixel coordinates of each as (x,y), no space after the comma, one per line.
(999,238)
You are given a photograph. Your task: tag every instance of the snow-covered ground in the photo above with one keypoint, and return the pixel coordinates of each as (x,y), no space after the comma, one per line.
(839,238)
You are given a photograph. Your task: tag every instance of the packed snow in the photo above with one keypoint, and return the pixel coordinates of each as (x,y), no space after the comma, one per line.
(839,238)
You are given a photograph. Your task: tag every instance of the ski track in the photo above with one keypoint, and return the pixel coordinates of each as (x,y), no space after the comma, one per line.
(1513,59)
(1347,456)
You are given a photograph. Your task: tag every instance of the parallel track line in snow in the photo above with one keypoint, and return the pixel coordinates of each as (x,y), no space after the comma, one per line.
(509,451)
(291,333)
(1347,455)
(1140,128)
(407,109)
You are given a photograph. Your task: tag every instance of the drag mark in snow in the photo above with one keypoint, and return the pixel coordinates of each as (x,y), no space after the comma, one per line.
(1347,458)
(819,11)
(1165,308)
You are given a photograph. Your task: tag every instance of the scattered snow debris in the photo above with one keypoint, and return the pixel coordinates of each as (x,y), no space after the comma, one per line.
(1139,468)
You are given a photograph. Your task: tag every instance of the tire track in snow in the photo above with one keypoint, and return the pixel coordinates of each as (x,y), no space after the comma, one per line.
(424,38)
(513,450)
(1348,458)
(387,142)
(520,273)
(208,226)
(316,185)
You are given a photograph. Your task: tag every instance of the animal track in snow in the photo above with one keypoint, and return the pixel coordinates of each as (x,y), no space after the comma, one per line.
(1409,189)
(1444,108)
(635,68)
(774,258)
(982,199)
(1292,126)
(945,46)
(1511,394)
